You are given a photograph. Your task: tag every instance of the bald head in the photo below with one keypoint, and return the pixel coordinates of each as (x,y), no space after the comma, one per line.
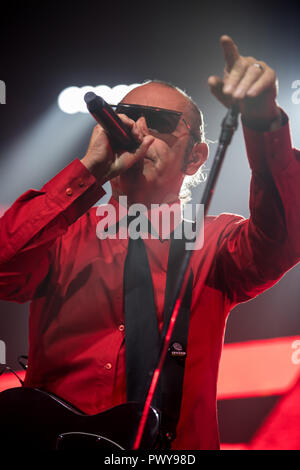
(152,93)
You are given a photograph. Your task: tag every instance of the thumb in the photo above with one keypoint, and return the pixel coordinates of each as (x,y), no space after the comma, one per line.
(127,159)
(142,149)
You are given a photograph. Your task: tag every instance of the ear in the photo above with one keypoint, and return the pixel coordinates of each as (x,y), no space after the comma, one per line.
(196,158)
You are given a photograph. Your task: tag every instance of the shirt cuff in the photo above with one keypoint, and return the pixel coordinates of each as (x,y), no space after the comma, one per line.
(74,190)
(269,150)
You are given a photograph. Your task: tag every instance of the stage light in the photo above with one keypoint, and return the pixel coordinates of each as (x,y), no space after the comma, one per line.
(68,100)
(71,99)
(104,91)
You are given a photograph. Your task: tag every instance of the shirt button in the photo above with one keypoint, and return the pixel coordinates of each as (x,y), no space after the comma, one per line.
(69,192)
(121,327)
(80,183)
(108,365)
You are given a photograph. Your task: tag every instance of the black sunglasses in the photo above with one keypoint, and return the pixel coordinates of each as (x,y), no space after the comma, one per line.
(162,120)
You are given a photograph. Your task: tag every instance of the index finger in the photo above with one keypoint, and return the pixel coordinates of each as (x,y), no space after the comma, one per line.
(230,51)
(126,120)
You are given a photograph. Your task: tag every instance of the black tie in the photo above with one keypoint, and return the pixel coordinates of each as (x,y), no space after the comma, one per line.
(142,337)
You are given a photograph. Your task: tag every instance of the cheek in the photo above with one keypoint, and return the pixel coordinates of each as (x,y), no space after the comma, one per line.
(168,160)
(172,164)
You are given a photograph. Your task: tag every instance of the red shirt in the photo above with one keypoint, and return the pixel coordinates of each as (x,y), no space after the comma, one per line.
(50,254)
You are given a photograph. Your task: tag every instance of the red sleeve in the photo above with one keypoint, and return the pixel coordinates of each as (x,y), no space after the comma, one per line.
(254,253)
(34,222)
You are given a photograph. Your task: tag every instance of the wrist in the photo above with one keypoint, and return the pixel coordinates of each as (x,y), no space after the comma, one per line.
(268,123)
(95,168)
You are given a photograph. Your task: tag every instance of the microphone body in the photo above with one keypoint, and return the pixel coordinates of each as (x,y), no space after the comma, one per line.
(119,136)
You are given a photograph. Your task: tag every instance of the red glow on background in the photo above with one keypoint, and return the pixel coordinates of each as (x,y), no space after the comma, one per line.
(9,380)
(257,368)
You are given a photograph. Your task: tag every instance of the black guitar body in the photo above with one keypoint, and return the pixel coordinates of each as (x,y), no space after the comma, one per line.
(32,419)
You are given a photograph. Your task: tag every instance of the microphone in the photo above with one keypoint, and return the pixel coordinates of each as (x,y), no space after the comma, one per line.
(119,136)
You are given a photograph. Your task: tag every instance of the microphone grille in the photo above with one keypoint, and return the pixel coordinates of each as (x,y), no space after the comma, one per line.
(89,96)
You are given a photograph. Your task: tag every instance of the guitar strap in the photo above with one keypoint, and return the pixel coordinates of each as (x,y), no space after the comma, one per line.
(173,370)
(142,338)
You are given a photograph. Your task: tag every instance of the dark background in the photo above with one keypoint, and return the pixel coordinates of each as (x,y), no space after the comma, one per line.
(46,49)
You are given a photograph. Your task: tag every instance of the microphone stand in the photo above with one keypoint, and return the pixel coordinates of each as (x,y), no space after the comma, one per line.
(228,127)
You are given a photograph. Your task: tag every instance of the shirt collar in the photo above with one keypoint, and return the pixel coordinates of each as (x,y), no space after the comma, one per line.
(158,216)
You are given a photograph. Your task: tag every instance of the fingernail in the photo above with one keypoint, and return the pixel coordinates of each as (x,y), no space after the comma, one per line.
(251,92)
(238,93)
(227,88)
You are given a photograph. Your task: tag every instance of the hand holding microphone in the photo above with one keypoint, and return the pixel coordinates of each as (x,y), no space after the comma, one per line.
(120,137)
(116,143)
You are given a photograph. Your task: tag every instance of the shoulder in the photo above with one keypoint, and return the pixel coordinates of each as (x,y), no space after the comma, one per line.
(222,220)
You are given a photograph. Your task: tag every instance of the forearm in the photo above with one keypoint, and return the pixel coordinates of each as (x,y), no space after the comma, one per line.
(268,123)
(253,254)
(42,216)
(33,224)
(274,162)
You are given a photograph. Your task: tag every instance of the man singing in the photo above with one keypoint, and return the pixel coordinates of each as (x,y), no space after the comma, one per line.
(78,284)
